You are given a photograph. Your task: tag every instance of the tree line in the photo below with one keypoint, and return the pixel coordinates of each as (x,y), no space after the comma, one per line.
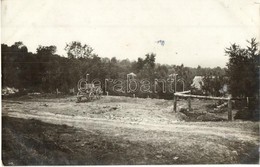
(46,71)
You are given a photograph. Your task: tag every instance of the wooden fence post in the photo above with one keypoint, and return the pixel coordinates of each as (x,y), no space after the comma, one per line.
(174,103)
(189,102)
(230,117)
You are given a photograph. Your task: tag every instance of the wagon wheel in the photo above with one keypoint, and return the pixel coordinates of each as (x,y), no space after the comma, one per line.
(91,96)
(98,95)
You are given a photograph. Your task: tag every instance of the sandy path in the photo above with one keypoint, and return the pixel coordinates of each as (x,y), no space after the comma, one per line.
(108,125)
(142,128)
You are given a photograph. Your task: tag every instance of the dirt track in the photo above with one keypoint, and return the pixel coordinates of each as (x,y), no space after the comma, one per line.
(146,131)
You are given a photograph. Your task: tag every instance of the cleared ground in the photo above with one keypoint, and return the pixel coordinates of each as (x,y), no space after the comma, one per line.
(119,130)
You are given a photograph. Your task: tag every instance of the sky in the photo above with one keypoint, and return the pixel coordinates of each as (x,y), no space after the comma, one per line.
(195,32)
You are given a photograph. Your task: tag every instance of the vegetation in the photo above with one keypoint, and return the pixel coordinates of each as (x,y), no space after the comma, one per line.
(243,74)
(46,71)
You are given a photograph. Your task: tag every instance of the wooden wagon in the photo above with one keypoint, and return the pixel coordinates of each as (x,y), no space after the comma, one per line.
(91,92)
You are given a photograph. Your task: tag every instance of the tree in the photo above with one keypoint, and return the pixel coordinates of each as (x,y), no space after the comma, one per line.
(243,69)
(77,50)
(212,84)
(243,73)
(147,66)
(139,64)
(46,50)
(19,46)
(150,60)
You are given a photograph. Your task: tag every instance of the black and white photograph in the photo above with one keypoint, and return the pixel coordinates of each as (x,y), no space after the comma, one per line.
(130,82)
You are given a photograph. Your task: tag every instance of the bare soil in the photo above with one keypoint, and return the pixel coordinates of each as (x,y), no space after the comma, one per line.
(119,130)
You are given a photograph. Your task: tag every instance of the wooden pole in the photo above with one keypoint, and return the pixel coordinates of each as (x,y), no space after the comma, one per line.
(174,103)
(230,117)
(189,103)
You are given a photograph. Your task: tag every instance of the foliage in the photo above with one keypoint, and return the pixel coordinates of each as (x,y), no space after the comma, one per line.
(45,71)
(213,85)
(243,69)
(76,50)
(243,73)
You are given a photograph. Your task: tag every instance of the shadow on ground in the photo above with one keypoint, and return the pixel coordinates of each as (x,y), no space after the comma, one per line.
(32,142)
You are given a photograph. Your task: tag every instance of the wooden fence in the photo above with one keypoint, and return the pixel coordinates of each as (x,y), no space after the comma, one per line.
(187,94)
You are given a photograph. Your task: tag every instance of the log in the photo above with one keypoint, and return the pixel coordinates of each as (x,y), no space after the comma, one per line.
(184,92)
(179,94)
(222,105)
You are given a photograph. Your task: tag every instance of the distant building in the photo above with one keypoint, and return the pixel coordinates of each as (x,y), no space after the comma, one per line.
(131,76)
(197,82)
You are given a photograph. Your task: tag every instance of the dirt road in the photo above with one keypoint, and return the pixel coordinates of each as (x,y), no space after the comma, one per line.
(117,130)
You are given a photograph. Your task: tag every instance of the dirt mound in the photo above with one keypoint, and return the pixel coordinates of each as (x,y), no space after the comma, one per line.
(176,116)
(181,117)
(209,117)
